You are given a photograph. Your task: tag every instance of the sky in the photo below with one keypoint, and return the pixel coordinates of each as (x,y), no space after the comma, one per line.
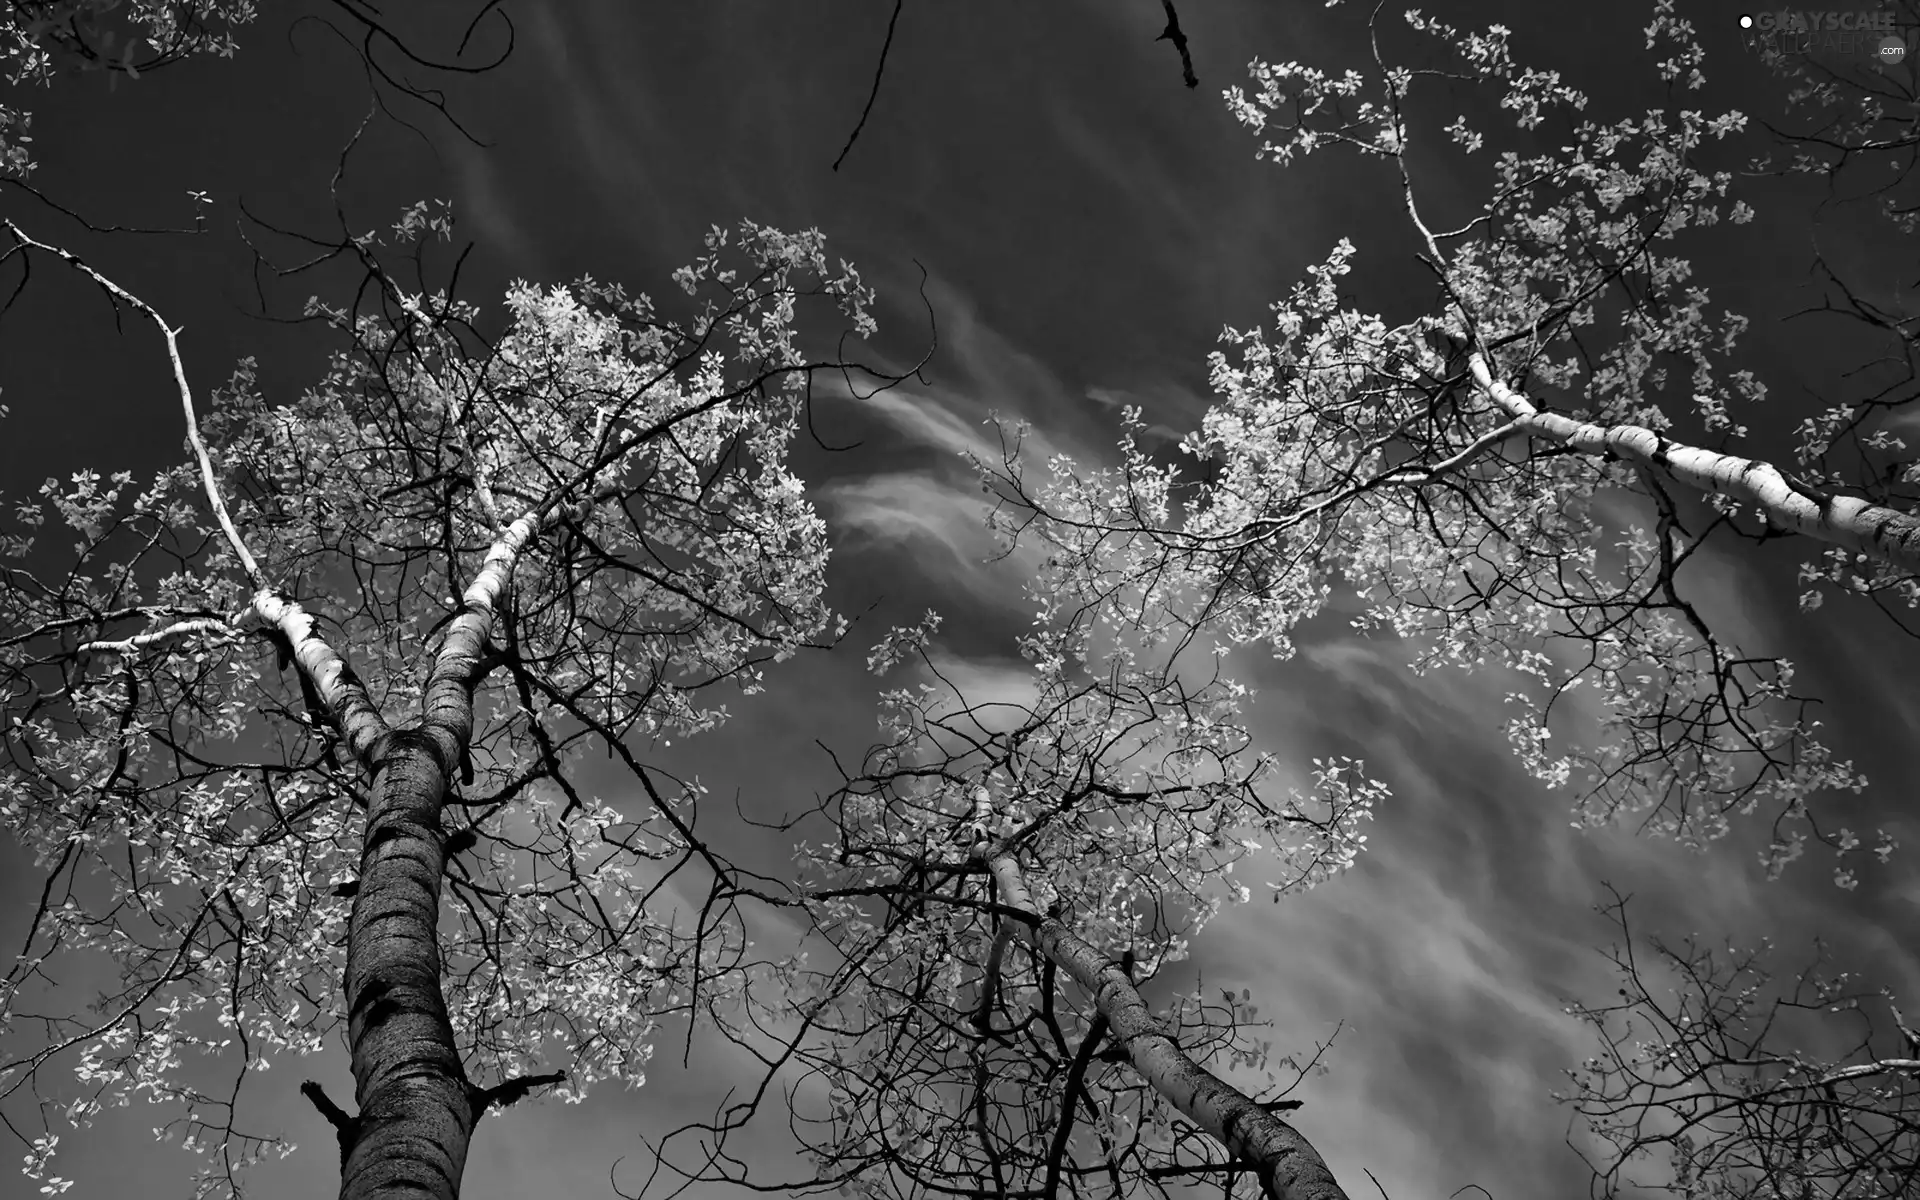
(1086,226)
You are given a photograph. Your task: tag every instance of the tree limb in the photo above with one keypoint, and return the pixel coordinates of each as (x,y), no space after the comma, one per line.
(1289,1167)
(172,336)
(1913,1038)
(1076,1080)
(990,982)
(1865,528)
(500,1095)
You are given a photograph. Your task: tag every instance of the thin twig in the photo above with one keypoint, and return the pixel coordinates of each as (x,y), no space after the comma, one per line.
(875,91)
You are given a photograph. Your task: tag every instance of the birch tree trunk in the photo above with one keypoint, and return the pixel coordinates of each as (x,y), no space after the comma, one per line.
(1290,1168)
(571,416)
(417,1108)
(416,1116)
(1871,529)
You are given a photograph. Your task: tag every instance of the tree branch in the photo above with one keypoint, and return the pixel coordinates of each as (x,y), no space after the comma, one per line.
(990,982)
(345,1128)
(1172,33)
(1900,1023)
(875,91)
(500,1095)
(172,336)
(1871,529)
(284,621)
(1076,1080)
(1289,1167)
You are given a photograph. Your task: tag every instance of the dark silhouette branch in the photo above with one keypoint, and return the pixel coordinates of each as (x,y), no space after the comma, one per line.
(500,1095)
(345,1128)
(990,982)
(1076,1081)
(462,840)
(878,70)
(1172,33)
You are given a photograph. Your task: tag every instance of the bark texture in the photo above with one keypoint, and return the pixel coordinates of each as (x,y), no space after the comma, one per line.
(1290,1168)
(333,681)
(417,1109)
(1871,529)
(416,1116)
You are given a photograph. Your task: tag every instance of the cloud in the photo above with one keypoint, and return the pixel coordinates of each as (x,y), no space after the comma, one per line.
(928,418)
(1450,949)
(978,372)
(602,131)
(929,507)
(486,203)
(939,530)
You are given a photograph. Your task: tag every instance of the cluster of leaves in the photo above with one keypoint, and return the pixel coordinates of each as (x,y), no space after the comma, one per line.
(1857,130)
(40,38)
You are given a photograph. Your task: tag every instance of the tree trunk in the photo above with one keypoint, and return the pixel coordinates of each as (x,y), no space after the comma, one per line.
(417,1110)
(1290,1168)
(416,1116)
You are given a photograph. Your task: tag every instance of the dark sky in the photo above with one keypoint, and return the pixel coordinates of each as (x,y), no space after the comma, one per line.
(1087,226)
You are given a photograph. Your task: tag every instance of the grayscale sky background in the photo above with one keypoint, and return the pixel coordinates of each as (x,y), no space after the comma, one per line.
(1087,226)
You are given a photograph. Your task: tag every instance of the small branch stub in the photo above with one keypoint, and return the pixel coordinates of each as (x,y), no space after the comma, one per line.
(502,1094)
(345,1128)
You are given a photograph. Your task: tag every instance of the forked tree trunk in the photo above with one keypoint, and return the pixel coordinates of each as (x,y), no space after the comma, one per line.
(417,1109)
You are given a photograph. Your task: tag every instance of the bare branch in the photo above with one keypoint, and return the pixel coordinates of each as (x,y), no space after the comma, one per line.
(1173,34)
(874,91)
(171,335)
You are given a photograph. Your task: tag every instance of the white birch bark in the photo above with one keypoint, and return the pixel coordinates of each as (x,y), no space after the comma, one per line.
(1871,529)
(1290,1168)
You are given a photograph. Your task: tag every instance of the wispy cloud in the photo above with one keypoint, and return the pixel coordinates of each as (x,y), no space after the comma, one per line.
(928,509)
(485,202)
(938,528)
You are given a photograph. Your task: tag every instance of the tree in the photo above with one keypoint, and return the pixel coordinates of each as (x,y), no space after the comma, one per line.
(472,560)
(1517,471)
(1459,470)
(993,889)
